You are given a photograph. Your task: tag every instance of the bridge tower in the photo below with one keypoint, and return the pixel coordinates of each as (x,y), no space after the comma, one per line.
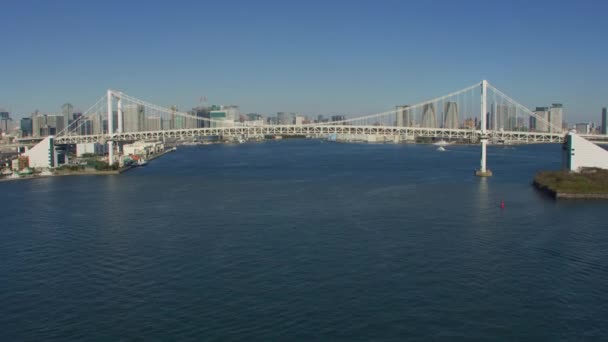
(483,170)
(111,95)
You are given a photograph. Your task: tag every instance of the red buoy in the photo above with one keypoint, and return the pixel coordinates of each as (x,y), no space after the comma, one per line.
(502,204)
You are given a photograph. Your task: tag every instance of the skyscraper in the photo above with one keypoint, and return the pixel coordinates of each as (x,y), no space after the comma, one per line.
(429,119)
(542,120)
(26,127)
(504,117)
(556,118)
(133,118)
(604,120)
(68,112)
(450,119)
(4,119)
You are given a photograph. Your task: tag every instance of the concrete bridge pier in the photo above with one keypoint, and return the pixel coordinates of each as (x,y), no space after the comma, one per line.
(483,171)
(110,152)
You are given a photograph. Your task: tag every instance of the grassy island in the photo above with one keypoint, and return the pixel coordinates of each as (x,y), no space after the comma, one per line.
(588,183)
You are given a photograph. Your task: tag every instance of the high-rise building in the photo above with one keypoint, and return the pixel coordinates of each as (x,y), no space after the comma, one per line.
(133,118)
(203,114)
(153,123)
(35,124)
(541,120)
(532,124)
(284,118)
(68,113)
(4,119)
(556,118)
(335,118)
(429,119)
(404,116)
(604,120)
(48,124)
(26,127)
(97,124)
(450,119)
(504,117)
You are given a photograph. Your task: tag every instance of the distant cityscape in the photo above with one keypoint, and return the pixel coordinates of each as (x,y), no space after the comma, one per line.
(499,117)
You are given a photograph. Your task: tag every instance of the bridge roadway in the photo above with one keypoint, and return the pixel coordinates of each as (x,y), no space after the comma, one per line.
(316,130)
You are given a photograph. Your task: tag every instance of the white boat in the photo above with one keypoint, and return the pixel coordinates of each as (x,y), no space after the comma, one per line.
(142,162)
(440,148)
(441,143)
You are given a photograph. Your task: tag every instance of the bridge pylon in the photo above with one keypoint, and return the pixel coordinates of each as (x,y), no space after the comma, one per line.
(483,170)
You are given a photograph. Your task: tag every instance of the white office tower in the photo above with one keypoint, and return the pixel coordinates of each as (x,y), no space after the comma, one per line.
(556,118)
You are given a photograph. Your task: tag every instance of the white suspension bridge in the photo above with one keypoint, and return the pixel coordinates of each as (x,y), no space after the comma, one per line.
(478,113)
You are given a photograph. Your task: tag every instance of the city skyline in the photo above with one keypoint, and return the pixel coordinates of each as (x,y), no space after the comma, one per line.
(311,59)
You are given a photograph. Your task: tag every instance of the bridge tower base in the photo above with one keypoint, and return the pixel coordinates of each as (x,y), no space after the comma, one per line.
(483,170)
(110,153)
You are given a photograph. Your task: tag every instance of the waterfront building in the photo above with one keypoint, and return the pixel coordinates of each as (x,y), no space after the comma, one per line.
(90,148)
(450,120)
(336,118)
(299,120)
(604,120)
(429,119)
(42,155)
(143,148)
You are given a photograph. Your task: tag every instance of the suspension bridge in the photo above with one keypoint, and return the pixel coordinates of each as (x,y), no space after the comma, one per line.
(479,113)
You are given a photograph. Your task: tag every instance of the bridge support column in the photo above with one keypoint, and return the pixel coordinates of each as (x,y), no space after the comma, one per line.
(483,170)
(119,114)
(110,153)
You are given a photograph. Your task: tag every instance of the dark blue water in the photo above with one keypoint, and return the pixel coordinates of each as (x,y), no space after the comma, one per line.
(304,240)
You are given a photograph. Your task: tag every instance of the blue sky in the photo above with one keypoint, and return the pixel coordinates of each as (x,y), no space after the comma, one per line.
(306,56)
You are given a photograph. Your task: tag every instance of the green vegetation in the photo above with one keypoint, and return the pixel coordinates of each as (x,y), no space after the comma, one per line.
(102,165)
(70,168)
(587,181)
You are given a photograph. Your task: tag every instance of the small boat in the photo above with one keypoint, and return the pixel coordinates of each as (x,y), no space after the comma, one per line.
(440,148)
(441,143)
(142,162)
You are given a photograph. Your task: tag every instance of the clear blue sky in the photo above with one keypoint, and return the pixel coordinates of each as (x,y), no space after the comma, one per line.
(308,56)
